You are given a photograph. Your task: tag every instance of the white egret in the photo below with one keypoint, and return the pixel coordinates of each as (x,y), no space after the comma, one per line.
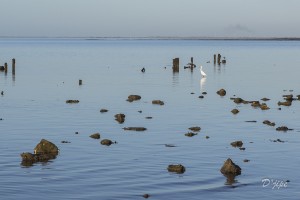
(202,72)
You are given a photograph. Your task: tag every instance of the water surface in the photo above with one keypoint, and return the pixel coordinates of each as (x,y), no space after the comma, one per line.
(47,73)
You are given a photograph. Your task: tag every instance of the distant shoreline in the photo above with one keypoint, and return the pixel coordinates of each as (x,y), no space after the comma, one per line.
(163,38)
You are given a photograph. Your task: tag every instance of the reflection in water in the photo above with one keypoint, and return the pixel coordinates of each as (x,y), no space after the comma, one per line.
(202,83)
(175,80)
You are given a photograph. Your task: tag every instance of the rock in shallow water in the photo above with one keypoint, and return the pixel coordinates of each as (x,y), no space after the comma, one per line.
(179,169)
(95,136)
(221,92)
(132,98)
(43,152)
(230,168)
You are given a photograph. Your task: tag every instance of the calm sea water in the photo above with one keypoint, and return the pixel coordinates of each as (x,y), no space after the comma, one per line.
(47,73)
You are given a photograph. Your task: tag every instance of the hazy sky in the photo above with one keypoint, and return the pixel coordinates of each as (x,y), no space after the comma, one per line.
(279,18)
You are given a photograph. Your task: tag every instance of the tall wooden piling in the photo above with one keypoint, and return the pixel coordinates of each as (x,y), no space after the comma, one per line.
(13,66)
(219,59)
(80,82)
(215,58)
(176,65)
(5,67)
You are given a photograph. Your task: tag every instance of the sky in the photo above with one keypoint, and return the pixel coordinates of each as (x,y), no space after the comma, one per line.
(150,18)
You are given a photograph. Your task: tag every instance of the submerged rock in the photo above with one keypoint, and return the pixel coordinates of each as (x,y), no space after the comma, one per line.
(239,100)
(267,122)
(120,118)
(229,167)
(103,110)
(237,143)
(95,136)
(221,92)
(288,97)
(195,128)
(190,134)
(179,169)
(135,128)
(235,111)
(107,142)
(283,128)
(132,98)
(158,102)
(284,103)
(265,99)
(264,106)
(72,101)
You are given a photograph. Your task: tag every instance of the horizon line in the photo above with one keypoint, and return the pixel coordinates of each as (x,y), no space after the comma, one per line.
(159,37)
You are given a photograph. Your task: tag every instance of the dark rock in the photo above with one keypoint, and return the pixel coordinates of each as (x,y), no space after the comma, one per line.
(43,152)
(148,117)
(72,101)
(242,148)
(95,136)
(29,159)
(237,143)
(76,132)
(195,128)
(134,128)
(170,145)
(103,110)
(255,104)
(238,100)
(288,97)
(120,118)
(201,97)
(146,196)
(190,134)
(192,93)
(106,142)
(179,169)
(246,160)
(2,68)
(46,147)
(230,167)
(251,121)
(132,98)
(283,128)
(265,99)
(159,102)
(204,93)
(298,96)
(64,141)
(278,140)
(264,106)
(140,111)
(207,137)
(267,122)
(2,93)
(235,111)
(284,103)
(221,92)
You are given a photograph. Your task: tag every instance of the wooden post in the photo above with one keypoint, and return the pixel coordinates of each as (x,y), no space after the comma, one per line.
(176,65)
(219,59)
(5,67)
(80,82)
(13,66)
(215,58)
